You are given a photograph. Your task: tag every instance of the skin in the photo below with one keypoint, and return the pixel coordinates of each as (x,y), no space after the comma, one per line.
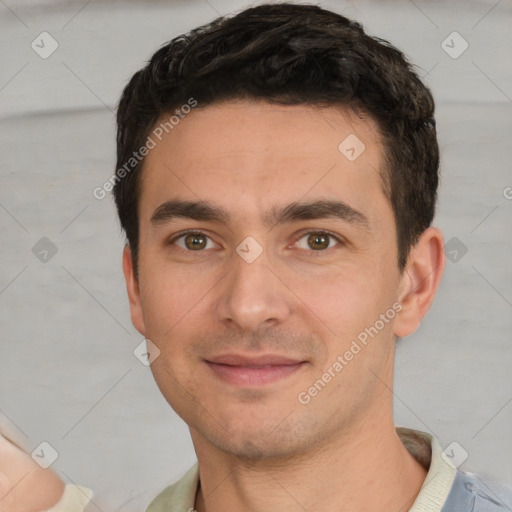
(24,485)
(258,448)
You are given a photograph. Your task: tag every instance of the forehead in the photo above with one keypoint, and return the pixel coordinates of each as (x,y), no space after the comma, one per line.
(252,153)
(250,125)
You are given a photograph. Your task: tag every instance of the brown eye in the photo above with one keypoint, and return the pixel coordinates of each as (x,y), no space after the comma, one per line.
(317,241)
(193,241)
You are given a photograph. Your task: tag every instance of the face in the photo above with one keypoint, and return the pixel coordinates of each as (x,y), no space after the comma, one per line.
(268,275)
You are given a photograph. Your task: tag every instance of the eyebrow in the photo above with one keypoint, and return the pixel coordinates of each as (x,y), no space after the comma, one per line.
(206,211)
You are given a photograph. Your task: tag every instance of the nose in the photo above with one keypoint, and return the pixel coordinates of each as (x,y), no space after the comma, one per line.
(253,296)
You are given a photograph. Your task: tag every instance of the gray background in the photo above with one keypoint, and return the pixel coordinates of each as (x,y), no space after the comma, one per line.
(68,375)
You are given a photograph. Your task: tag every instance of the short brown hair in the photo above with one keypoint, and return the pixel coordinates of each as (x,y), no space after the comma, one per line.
(291,54)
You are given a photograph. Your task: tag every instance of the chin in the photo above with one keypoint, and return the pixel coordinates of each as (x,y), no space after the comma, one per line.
(252,451)
(278,441)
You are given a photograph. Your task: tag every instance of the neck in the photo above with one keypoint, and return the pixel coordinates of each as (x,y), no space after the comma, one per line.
(366,469)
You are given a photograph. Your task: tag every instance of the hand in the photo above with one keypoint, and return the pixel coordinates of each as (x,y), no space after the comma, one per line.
(24,486)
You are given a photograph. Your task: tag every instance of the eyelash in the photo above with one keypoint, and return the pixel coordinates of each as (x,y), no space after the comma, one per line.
(300,236)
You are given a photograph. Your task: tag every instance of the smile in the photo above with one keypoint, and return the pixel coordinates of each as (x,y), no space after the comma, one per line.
(253,371)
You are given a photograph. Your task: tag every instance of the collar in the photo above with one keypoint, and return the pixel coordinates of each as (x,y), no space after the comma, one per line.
(426,450)
(423,447)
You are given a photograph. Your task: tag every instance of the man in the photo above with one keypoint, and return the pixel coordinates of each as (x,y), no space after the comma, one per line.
(276,178)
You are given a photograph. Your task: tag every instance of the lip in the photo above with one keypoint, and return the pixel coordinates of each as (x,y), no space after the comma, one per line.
(253,371)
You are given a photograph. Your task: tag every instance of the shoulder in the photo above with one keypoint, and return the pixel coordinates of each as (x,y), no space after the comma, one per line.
(178,496)
(471,493)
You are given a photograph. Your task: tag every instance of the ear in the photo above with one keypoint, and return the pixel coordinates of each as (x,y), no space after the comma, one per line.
(132,288)
(420,280)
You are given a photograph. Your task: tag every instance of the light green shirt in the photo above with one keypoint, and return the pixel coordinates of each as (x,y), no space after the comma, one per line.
(424,447)
(74,499)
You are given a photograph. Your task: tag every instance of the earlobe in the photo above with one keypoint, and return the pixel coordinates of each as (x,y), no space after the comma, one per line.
(133,290)
(420,281)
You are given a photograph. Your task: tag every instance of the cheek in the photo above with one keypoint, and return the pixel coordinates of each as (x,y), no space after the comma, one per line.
(347,305)
(339,298)
(170,294)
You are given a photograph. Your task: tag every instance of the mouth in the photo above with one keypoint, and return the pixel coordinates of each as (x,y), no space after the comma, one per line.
(253,371)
